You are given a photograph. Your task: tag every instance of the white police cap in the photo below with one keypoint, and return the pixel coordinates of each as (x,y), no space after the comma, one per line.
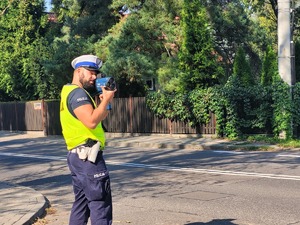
(89,62)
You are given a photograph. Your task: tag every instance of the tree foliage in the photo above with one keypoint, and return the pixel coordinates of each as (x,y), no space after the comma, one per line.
(235,26)
(22,27)
(270,67)
(138,47)
(80,25)
(183,45)
(241,69)
(198,60)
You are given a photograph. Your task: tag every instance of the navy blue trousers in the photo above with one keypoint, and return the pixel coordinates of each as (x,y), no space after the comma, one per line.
(91,185)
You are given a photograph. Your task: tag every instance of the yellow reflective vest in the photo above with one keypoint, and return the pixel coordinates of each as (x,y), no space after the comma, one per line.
(73,130)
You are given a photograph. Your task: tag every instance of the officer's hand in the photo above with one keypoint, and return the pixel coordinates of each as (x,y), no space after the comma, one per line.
(107,95)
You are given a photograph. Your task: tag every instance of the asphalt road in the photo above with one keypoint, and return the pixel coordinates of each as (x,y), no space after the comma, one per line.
(167,186)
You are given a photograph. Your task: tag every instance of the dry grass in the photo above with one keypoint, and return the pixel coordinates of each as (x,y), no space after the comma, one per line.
(40,222)
(43,221)
(50,211)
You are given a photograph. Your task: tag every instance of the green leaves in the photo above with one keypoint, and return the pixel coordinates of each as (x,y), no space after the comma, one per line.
(241,69)
(270,67)
(283,107)
(143,45)
(21,25)
(192,108)
(197,58)
(239,110)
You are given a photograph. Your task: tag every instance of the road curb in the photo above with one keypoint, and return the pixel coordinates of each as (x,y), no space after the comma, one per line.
(41,212)
(21,205)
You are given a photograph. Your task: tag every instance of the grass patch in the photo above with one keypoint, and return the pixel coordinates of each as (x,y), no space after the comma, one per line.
(51,211)
(251,147)
(43,221)
(288,143)
(40,221)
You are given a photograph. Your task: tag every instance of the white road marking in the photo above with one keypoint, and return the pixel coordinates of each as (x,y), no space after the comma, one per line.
(34,156)
(220,172)
(169,168)
(288,155)
(237,153)
(228,152)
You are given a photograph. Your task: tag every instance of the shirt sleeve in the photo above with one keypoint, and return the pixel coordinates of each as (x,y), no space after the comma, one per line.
(76,98)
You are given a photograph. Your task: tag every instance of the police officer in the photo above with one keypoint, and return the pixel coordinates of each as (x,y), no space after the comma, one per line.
(85,139)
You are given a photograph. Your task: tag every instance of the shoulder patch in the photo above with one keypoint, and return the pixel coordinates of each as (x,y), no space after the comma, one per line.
(81,99)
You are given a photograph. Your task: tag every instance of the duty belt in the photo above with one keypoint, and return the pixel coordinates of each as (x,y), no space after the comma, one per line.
(87,152)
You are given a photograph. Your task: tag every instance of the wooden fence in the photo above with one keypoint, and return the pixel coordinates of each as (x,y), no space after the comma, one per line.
(21,116)
(129,115)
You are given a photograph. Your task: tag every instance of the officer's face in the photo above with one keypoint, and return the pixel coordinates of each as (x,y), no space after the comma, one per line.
(87,78)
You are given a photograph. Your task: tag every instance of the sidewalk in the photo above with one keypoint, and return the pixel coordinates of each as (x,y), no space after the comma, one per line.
(22,205)
(182,141)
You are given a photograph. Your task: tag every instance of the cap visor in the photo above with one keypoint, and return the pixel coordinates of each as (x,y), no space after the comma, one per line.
(91,69)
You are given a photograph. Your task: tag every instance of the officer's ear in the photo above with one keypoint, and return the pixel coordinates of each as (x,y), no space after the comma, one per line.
(78,71)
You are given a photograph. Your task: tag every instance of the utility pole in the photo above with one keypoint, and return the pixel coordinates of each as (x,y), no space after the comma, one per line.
(286,61)
(285,42)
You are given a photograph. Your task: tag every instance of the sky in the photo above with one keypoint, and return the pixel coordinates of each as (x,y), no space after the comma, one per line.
(48,5)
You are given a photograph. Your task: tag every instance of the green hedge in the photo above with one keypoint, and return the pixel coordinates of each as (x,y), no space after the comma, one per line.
(239,110)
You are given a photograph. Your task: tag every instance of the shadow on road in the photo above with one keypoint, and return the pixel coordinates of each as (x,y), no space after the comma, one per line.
(215,222)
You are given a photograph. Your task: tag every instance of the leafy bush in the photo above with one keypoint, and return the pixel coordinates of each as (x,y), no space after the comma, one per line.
(171,106)
(239,110)
(296,105)
(283,105)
